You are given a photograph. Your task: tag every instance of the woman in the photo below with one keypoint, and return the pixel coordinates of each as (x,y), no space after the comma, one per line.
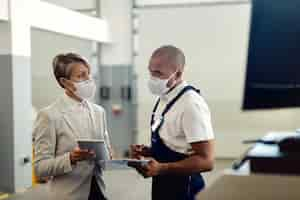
(74,174)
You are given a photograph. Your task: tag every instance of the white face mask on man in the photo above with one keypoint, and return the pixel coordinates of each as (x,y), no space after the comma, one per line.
(158,86)
(85,89)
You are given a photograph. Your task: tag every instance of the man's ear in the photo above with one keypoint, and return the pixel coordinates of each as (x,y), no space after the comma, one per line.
(175,78)
(172,81)
(178,74)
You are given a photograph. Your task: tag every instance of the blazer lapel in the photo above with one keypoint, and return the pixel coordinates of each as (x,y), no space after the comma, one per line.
(93,118)
(65,109)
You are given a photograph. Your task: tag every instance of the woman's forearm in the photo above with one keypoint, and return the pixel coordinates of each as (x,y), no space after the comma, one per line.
(59,165)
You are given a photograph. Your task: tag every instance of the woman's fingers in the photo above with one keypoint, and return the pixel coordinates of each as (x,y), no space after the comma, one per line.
(136,151)
(82,154)
(86,154)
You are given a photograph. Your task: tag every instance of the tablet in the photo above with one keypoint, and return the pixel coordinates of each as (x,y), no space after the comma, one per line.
(122,163)
(127,162)
(98,146)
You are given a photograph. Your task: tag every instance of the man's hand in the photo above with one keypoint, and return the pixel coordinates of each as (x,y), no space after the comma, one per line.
(201,160)
(81,154)
(153,168)
(138,151)
(139,168)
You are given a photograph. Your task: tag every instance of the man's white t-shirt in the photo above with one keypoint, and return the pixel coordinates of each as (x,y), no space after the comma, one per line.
(188,120)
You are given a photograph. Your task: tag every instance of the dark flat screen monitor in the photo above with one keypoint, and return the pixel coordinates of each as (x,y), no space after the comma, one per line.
(273,65)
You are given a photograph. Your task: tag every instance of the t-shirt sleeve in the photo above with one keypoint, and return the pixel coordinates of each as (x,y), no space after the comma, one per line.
(196,121)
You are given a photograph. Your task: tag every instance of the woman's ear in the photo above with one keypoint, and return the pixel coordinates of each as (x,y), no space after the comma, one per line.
(62,81)
(68,85)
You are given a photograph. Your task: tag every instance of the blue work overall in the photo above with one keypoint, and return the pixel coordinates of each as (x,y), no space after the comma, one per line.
(171,186)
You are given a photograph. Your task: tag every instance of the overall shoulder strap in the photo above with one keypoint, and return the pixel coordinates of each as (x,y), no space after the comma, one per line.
(173,101)
(154,110)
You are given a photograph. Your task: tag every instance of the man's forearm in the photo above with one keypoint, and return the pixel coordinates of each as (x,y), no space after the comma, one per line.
(193,164)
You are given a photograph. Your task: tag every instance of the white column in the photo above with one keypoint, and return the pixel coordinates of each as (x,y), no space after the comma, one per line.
(118,16)
(116,72)
(15,95)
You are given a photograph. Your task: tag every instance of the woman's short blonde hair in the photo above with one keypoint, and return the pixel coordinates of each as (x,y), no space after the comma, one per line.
(61,65)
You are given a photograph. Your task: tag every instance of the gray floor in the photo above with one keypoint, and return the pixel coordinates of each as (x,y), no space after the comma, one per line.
(126,184)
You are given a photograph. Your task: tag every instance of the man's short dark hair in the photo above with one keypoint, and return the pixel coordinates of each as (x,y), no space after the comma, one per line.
(173,53)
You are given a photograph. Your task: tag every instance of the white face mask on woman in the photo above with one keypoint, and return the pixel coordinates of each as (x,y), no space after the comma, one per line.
(85,89)
(158,86)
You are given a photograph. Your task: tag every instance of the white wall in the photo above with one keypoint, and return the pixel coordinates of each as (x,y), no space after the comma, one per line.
(5,47)
(3,9)
(214,39)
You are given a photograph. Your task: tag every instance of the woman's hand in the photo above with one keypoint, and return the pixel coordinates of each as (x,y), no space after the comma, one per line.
(81,154)
(139,151)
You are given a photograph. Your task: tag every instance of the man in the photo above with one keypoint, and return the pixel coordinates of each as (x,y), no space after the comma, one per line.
(182,135)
